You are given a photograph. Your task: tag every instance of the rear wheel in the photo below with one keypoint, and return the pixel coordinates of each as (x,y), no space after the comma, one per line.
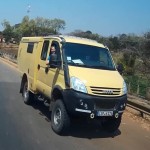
(60,120)
(111,124)
(27,95)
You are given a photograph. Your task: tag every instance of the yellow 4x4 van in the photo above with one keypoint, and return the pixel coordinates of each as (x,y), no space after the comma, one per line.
(80,79)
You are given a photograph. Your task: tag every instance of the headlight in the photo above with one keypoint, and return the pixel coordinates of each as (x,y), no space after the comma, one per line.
(77,85)
(124,89)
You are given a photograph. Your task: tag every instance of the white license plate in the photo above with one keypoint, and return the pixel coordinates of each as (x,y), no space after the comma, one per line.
(105,113)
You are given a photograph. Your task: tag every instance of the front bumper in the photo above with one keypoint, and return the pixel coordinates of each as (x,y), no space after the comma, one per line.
(85,104)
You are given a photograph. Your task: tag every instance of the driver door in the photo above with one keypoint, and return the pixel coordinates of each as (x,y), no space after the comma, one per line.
(45,74)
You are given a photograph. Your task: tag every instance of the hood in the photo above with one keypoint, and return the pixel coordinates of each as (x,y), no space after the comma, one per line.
(97,77)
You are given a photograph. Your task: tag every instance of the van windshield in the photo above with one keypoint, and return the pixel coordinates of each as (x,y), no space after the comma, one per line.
(88,56)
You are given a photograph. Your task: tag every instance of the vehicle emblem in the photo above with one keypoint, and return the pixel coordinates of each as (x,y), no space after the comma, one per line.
(109,92)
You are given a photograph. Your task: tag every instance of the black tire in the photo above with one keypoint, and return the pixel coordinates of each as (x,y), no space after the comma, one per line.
(60,120)
(111,124)
(27,95)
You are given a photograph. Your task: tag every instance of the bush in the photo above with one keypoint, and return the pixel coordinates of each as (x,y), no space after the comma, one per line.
(136,84)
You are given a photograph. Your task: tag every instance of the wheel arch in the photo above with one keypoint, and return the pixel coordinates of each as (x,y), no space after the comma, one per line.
(57,93)
(24,79)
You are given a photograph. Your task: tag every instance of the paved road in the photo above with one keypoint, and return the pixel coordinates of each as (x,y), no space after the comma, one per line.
(25,127)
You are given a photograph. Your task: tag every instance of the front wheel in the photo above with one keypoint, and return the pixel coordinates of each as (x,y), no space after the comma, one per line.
(111,124)
(60,120)
(27,95)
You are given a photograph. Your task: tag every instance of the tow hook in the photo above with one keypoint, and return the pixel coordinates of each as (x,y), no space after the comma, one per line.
(116,115)
(92,115)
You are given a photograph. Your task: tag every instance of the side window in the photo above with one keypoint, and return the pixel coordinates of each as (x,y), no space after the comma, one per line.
(105,58)
(57,47)
(44,50)
(30,47)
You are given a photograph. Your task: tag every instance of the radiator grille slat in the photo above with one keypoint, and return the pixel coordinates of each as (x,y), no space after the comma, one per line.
(103,91)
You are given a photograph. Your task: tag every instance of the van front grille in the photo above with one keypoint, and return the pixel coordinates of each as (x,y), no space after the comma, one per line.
(102,91)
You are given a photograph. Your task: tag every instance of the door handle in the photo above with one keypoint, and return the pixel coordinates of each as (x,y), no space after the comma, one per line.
(46,70)
(38,66)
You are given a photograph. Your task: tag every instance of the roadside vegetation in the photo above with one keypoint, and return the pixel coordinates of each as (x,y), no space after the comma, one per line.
(131,51)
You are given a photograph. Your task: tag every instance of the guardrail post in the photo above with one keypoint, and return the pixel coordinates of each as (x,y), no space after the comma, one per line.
(142,114)
(129,87)
(148,93)
(138,89)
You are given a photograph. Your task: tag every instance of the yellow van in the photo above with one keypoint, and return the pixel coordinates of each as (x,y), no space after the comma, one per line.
(78,79)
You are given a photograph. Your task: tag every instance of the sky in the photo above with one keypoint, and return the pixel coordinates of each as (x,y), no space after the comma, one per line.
(105,17)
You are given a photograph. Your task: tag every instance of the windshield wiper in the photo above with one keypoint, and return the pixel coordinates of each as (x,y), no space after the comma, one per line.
(78,64)
(103,67)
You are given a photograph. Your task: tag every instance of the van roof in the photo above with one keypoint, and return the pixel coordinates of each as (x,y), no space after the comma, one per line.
(70,39)
(74,39)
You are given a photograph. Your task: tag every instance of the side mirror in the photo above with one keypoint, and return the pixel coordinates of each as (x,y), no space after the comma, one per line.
(120,68)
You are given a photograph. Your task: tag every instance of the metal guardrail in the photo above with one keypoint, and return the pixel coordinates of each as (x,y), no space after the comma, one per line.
(143,109)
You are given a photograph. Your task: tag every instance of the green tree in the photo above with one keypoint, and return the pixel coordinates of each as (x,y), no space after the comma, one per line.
(147,35)
(115,44)
(128,60)
(42,26)
(144,56)
(32,27)
(8,30)
(88,34)
(26,27)
(57,25)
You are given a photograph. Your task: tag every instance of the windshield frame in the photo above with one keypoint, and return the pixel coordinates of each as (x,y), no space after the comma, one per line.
(77,63)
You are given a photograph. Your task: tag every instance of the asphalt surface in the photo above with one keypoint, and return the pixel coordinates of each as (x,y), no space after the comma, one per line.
(24,127)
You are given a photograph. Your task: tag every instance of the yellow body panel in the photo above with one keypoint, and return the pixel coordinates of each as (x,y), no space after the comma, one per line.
(103,79)
(25,65)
